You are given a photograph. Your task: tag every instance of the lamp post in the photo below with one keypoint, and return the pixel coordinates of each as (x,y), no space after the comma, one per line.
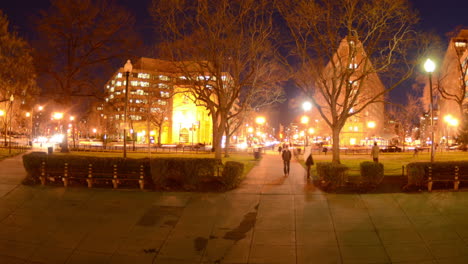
(4,121)
(72,120)
(28,114)
(127,69)
(11,116)
(429,66)
(305,121)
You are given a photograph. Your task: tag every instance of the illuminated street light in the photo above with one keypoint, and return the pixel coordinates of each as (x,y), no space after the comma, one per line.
(304,120)
(260,120)
(127,69)
(371,124)
(429,66)
(306,106)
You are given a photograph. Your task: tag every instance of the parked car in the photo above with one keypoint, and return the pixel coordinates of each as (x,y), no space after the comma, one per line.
(391,148)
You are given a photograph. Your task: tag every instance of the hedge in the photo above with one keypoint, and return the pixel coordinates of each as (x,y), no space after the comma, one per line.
(372,173)
(186,174)
(331,174)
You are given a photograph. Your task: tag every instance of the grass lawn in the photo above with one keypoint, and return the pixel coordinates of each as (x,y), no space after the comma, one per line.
(392,162)
(4,152)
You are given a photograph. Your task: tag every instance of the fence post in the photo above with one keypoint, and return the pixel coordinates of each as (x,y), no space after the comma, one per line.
(142,177)
(90,176)
(43,173)
(65,174)
(429,180)
(115,180)
(456,183)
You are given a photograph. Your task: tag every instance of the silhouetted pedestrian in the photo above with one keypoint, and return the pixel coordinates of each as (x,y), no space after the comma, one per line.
(375,152)
(286,155)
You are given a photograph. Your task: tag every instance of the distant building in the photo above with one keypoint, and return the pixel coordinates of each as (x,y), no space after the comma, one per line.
(156,105)
(365,127)
(453,78)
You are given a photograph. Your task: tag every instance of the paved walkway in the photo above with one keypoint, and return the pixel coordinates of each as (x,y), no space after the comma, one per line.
(269,219)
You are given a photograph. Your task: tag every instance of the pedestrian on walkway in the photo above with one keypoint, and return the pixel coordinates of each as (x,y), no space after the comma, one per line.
(309,160)
(280,149)
(375,152)
(286,155)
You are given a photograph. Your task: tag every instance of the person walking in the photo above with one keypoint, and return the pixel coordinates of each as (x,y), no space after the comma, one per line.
(375,152)
(309,160)
(286,155)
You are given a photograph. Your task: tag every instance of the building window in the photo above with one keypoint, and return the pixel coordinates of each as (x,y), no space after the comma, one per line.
(144,84)
(143,75)
(163,86)
(164,78)
(162,102)
(460,44)
(134,83)
(119,83)
(119,75)
(164,94)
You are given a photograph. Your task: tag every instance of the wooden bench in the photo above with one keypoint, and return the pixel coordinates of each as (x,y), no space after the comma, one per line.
(443,175)
(92,176)
(51,174)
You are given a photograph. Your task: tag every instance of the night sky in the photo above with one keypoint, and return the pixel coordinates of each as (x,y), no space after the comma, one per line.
(437,16)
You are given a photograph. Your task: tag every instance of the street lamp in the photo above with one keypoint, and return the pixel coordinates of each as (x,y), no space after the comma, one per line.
(429,66)
(306,106)
(11,116)
(2,113)
(305,121)
(127,69)
(72,120)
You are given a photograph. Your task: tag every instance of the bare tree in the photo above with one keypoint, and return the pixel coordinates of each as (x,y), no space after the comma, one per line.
(343,48)
(223,48)
(452,79)
(77,40)
(406,116)
(17,75)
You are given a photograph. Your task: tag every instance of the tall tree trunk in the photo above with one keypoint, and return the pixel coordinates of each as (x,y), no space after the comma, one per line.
(227,143)
(336,145)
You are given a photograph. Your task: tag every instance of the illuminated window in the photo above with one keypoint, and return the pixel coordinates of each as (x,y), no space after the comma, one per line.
(144,84)
(108,86)
(164,94)
(164,78)
(134,83)
(163,86)
(356,129)
(112,90)
(182,77)
(117,117)
(119,75)
(111,96)
(460,44)
(140,92)
(143,75)
(162,102)
(119,83)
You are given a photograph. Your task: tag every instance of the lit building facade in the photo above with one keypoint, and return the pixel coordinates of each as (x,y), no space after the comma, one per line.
(155,105)
(363,82)
(453,79)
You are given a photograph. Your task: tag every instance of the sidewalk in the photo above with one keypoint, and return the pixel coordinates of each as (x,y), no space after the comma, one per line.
(269,219)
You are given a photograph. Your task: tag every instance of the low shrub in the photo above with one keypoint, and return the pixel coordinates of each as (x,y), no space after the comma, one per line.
(332,175)
(181,173)
(232,174)
(372,173)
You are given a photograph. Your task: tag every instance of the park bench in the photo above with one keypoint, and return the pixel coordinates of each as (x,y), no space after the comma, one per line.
(453,175)
(91,176)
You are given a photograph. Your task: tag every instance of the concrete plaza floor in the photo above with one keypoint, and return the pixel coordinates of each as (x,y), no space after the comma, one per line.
(268,219)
